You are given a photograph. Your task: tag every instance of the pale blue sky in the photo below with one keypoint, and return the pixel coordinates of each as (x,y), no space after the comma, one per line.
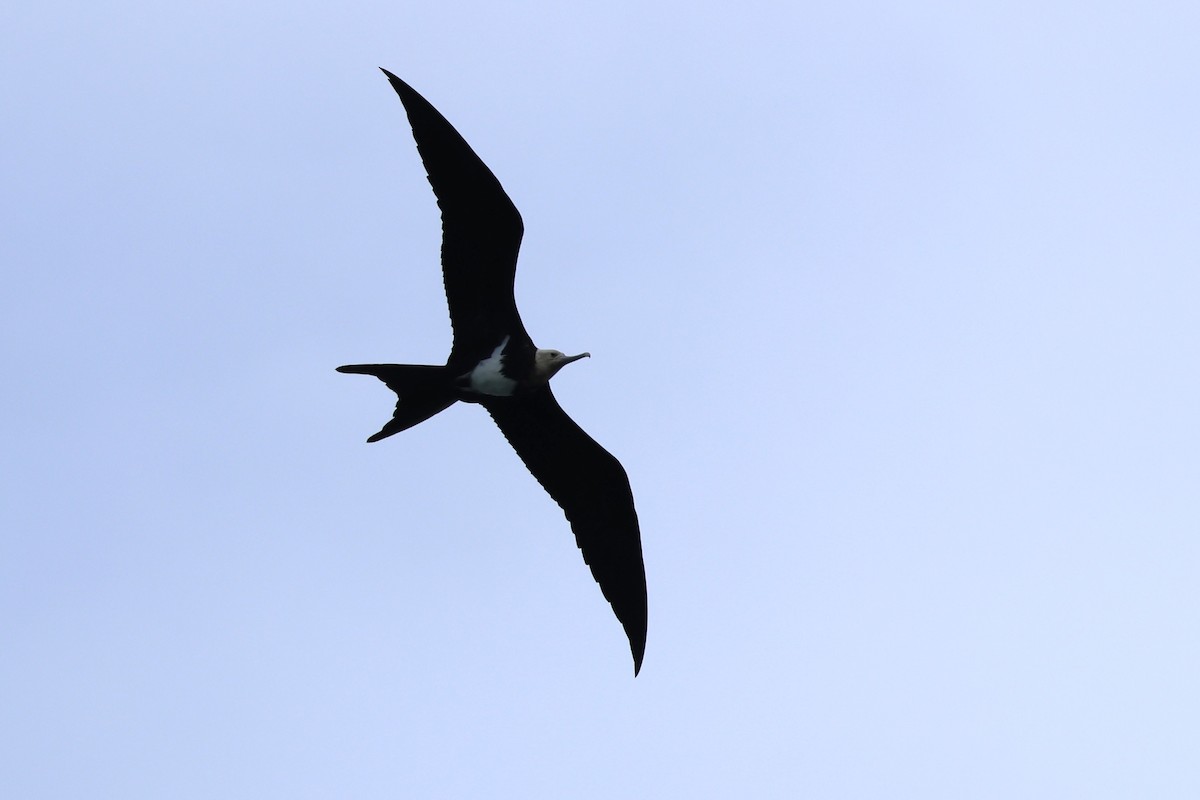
(893,316)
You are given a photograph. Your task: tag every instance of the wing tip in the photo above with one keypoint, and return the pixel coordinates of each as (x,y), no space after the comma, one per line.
(400,86)
(637,647)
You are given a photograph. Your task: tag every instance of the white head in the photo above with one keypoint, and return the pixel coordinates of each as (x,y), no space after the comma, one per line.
(548,362)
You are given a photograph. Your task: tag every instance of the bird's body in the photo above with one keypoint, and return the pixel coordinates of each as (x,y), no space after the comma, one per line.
(492,377)
(493,362)
(511,372)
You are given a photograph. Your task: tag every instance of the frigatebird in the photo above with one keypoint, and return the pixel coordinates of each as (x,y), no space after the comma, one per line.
(493,362)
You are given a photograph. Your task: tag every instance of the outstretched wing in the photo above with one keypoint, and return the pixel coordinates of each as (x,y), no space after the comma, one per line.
(593,490)
(481,231)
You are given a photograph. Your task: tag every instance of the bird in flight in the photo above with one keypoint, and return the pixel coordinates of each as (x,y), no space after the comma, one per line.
(493,362)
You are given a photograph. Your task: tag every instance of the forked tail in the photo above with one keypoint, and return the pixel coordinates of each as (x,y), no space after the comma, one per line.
(422,390)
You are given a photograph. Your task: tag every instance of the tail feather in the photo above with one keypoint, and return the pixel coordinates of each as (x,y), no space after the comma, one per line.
(422,391)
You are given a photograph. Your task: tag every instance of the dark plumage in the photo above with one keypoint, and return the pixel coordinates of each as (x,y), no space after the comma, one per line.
(494,362)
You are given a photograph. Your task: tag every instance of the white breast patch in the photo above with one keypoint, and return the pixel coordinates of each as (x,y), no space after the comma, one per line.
(487,378)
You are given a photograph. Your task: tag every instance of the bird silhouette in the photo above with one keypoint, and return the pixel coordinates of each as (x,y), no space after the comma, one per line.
(493,362)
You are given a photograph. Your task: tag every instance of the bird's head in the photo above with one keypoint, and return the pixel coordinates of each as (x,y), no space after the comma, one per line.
(546,363)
